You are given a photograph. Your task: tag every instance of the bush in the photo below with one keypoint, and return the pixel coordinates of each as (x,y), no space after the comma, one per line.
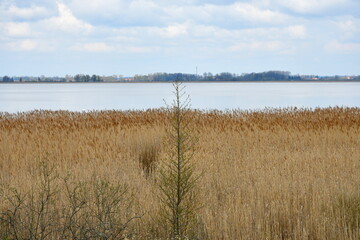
(55,209)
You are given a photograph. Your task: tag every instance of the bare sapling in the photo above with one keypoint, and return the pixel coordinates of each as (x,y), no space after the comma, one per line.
(177,176)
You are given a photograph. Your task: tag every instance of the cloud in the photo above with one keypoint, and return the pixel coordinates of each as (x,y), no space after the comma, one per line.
(27,13)
(235,15)
(335,46)
(99,6)
(297,31)
(118,12)
(313,6)
(14,29)
(67,22)
(138,49)
(161,13)
(252,13)
(23,45)
(349,26)
(188,29)
(191,38)
(28,45)
(94,47)
(173,30)
(101,47)
(146,34)
(258,46)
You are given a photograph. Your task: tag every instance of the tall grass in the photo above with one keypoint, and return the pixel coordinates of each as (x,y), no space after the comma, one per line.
(270,174)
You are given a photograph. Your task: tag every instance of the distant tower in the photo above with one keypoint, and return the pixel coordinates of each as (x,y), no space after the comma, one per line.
(196,72)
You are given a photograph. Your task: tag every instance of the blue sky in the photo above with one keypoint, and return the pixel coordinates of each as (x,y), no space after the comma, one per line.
(105,37)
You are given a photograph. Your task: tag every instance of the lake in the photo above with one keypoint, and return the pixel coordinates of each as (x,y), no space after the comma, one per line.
(130,96)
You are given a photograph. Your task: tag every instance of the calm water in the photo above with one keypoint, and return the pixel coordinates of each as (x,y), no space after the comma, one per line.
(222,96)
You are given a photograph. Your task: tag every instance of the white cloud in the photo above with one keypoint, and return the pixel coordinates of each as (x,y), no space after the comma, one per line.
(173,30)
(312,6)
(160,13)
(99,6)
(151,33)
(27,13)
(143,4)
(94,47)
(67,22)
(347,28)
(98,47)
(258,46)
(14,29)
(121,12)
(297,31)
(252,13)
(138,49)
(335,46)
(29,45)
(212,38)
(23,45)
(349,25)
(193,29)
(238,14)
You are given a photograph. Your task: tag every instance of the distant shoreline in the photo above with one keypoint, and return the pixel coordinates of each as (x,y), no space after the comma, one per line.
(280,81)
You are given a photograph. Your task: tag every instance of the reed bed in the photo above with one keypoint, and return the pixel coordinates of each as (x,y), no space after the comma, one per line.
(268,174)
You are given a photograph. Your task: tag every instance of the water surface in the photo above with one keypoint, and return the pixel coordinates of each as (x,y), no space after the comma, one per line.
(128,96)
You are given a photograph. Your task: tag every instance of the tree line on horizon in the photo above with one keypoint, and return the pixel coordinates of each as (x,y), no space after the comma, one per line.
(77,78)
(186,77)
(224,76)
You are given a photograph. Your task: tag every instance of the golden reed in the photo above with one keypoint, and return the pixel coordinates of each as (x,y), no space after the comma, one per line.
(271,174)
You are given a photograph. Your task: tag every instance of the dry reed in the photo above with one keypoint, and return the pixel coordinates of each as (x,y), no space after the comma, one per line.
(271,174)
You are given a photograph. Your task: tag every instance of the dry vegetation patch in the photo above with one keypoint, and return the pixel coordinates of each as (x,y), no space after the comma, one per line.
(271,174)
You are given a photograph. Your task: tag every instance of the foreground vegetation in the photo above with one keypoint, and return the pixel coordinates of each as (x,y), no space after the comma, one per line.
(271,174)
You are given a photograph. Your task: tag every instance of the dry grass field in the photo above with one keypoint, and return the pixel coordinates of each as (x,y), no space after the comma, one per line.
(271,174)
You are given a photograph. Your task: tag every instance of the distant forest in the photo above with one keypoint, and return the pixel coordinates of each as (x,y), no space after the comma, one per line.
(225,76)
(184,77)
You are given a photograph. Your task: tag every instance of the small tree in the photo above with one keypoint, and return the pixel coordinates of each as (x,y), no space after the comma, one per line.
(177,179)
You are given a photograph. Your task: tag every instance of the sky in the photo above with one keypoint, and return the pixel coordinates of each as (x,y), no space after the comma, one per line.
(128,37)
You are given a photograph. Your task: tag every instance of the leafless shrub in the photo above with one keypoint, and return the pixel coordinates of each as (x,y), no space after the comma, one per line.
(33,215)
(98,209)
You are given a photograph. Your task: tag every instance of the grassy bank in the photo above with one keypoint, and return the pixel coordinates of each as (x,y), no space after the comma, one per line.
(271,174)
